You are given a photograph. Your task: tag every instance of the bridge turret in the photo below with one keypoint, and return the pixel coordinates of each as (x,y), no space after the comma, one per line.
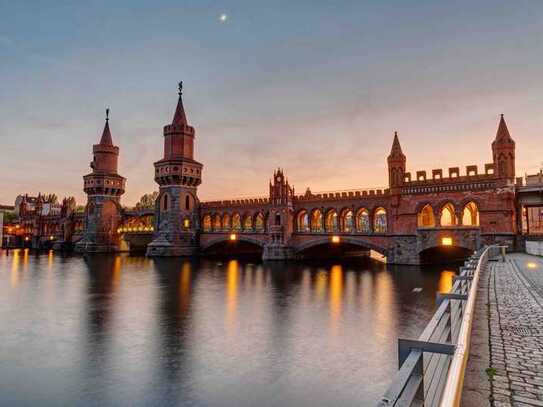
(104,187)
(503,152)
(396,164)
(178,176)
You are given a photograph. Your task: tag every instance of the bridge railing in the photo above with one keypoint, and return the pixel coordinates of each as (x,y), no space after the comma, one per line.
(432,366)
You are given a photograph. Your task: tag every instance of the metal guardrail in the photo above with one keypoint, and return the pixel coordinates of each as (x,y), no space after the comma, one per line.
(432,366)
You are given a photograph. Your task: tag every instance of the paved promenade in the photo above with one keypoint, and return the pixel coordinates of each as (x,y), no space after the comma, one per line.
(505,367)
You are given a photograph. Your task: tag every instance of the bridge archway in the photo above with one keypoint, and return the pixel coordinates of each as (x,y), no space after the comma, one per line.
(444,254)
(227,245)
(344,246)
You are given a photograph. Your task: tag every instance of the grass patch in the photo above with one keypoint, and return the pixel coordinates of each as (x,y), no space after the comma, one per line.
(490,372)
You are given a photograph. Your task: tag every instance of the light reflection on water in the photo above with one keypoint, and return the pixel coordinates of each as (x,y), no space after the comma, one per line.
(120,330)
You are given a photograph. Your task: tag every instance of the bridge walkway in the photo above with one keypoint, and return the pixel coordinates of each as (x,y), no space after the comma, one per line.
(505,366)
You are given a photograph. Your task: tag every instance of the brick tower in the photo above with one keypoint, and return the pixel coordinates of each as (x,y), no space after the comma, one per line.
(280,221)
(104,188)
(503,153)
(396,165)
(178,176)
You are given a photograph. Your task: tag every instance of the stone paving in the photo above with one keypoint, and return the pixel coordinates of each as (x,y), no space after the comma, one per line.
(507,370)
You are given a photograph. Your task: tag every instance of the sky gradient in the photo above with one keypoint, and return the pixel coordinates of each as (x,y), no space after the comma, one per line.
(315,87)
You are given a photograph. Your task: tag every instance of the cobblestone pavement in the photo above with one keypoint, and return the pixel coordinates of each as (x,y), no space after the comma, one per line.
(515,317)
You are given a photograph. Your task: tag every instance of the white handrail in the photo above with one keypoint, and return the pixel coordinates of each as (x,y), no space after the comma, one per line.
(452,392)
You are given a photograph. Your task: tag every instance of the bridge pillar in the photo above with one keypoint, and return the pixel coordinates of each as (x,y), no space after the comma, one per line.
(403,251)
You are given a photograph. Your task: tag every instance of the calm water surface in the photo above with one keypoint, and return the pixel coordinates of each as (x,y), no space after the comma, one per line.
(120,330)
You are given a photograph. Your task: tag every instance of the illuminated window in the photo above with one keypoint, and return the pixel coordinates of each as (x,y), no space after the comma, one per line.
(347,221)
(316,221)
(302,221)
(447,217)
(217,224)
(236,221)
(186,223)
(380,221)
(259,223)
(363,220)
(425,218)
(226,221)
(248,223)
(206,223)
(331,221)
(470,215)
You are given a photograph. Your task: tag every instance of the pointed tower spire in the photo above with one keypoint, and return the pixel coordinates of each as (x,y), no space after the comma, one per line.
(106,139)
(502,135)
(396,150)
(179,118)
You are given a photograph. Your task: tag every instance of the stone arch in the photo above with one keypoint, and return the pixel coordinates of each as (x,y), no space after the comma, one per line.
(447,215)
(470,214)
(207,223)
(236,222)
(347,221)
(259,222)
(302,221)
(316,220)
(331,221)
(239,238)
(217,222)
(380,220)
(426,217)
(363,224)
(247,225)
(353,240)
(226,221)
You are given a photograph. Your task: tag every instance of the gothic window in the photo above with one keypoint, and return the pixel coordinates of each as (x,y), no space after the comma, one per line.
(380,220)
(226,222)
(248,223)
(470,215)
(187,203)
(259,223)
(347,221)
(447,216)
(217,223)
(278,219)
(236,222)
(331,221)
(316,221)
(165,202)
(363,220)
(302,221)
(206,223)
(425,218)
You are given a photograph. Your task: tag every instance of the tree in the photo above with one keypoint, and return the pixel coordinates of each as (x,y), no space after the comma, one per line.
(147,201)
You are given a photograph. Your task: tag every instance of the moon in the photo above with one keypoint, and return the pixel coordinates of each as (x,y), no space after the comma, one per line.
(223,18)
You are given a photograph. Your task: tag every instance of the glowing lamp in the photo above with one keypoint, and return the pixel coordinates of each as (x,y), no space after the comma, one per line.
(233,236)
(335,239)
(446,241)
(531,265)
(27,239)
(51,237)
(186,223)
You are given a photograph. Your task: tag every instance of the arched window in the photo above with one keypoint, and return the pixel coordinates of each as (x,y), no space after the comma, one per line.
(165,202)
(217,223)
(302,221)
(187,203)
(316,221)
(426,218)
(206,223)
(380,221)
(226,222)
(470,215)
(347,221)
(331,221)
(186,223)
(248,223)
(236,221)
(277,219)
(259,222)
(363,220)
(447,216)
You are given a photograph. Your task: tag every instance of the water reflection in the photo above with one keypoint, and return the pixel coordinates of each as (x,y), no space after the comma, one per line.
(129,330)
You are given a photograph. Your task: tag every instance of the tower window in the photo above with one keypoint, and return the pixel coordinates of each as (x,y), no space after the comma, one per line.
(187,203)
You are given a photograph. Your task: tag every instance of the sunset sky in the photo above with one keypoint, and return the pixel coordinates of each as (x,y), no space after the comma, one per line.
(315,87)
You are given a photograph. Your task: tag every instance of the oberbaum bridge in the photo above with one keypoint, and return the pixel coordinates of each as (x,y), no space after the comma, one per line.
(417,214)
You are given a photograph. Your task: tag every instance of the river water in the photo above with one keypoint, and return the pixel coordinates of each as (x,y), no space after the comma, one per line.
(121,330)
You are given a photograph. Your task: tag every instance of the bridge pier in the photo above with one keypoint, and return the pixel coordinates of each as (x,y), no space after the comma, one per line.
(273,251)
